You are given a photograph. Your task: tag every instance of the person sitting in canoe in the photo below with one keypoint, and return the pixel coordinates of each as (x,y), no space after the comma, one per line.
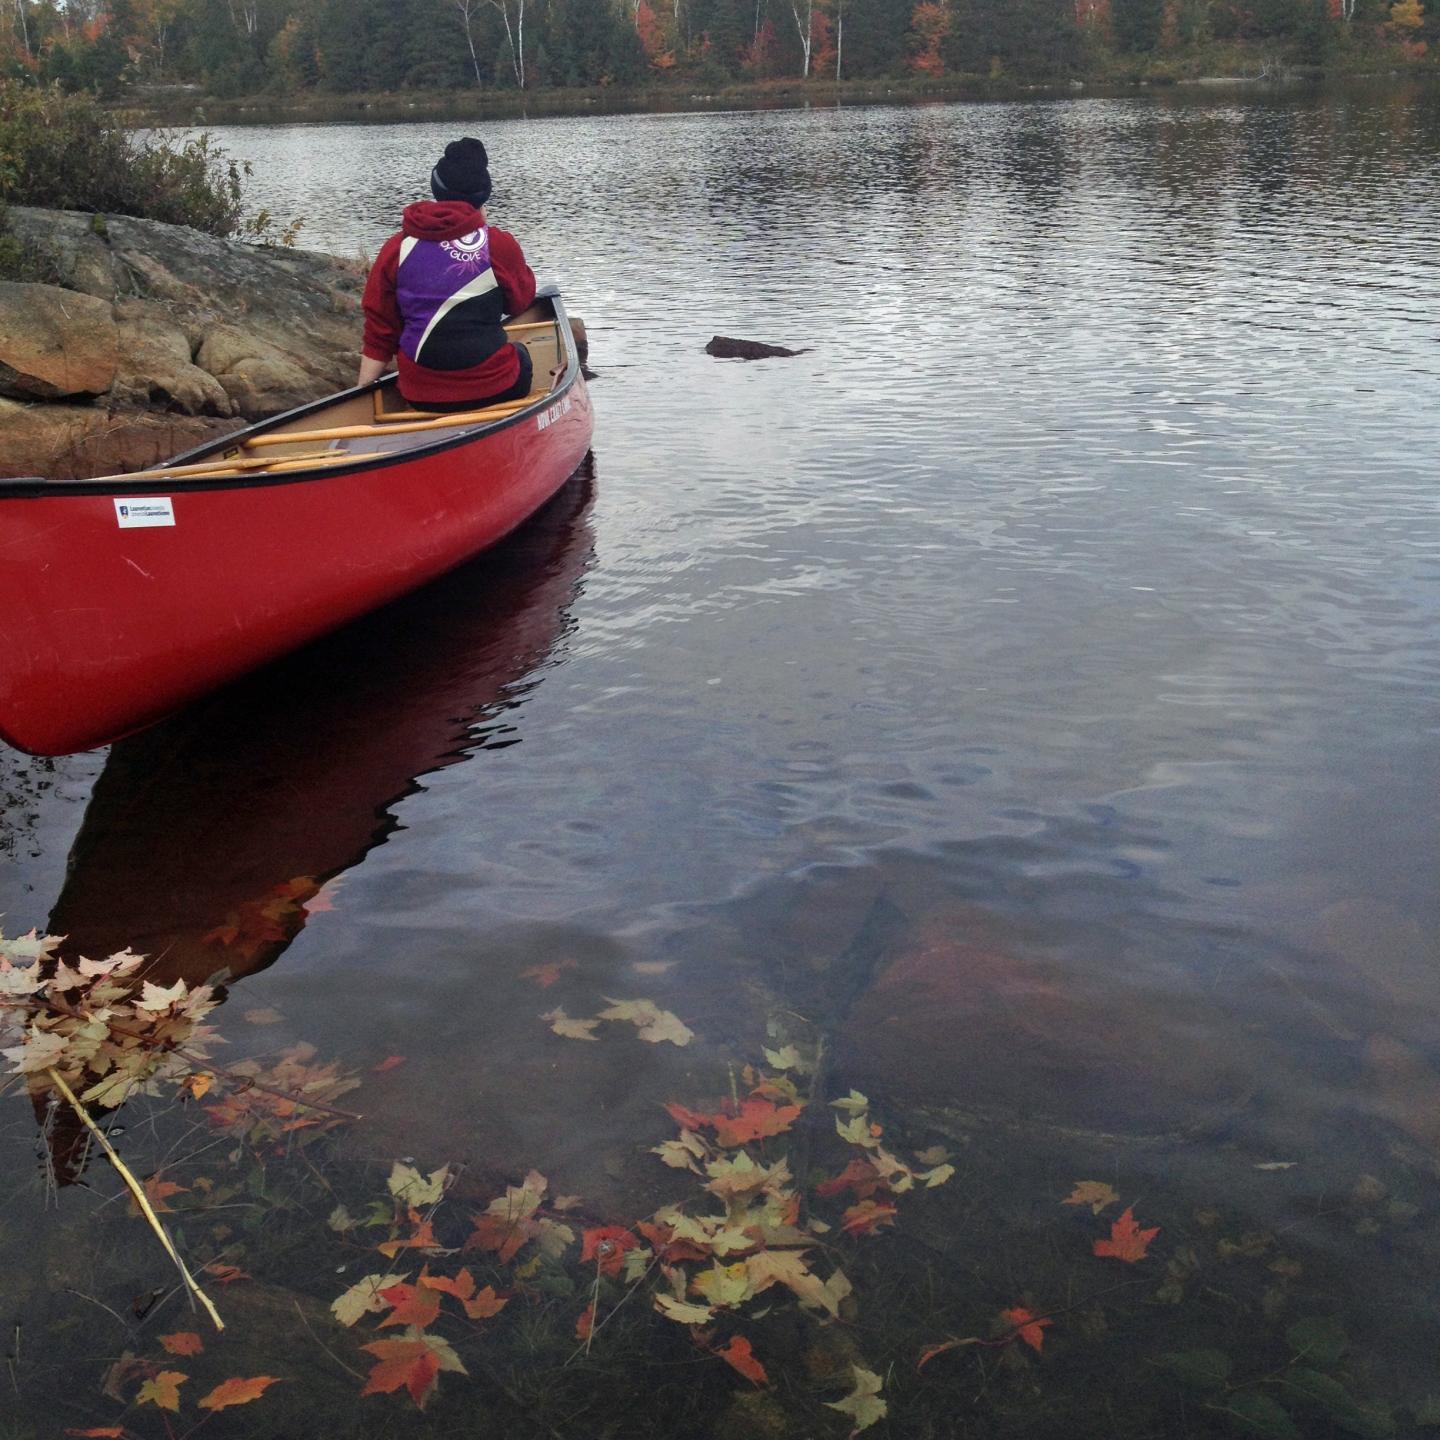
(439,290)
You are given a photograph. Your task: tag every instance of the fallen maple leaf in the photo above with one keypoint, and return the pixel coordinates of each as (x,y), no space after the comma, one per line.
(163,1390)
(757,1119)
(388,1063)
(157,1192)
(414,1362)
(226,1274)
(1027,1326)
(363,1298)
(183,1342)
(863,1404)
(102,1432)
(546,975)
(606,1245)
(413,1305)
(586,1323)
(686,1118)
(859,1175)
(569,1028)
(651,1023)
(236,1391)
(1094,1193)
(867,1217)
(198,1084)
(739,1356)
(1127,1240)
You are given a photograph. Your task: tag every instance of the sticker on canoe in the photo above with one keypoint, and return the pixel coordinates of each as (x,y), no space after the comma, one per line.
(550,416)
(144,511)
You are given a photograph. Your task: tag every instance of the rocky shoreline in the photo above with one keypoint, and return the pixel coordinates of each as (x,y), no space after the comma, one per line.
(155,337)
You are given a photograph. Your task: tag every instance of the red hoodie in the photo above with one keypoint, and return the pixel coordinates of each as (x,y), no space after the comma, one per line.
(445,220)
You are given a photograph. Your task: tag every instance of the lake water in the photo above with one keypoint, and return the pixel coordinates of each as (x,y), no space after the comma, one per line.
(1026,696)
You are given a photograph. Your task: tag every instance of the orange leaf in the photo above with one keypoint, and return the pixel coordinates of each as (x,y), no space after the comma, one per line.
(1127,1240)
(485,1304)
(739,1356)
(198,1083)
(102,1432)
(162,1390)
(867,1217)
(1030,1329)
(157,1192)
(226,1274)
(183,1342)
(757,1118)
(423,1238)
(388,1063)
(502,1234)
(607,1244)
(1094,1193)
(236,1391)
(931,1351)
(414,1363)
(586,1322)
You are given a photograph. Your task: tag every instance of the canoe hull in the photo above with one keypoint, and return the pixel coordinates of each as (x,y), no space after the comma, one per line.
(105,628)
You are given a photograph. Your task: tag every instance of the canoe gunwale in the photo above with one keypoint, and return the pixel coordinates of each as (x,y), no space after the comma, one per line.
(38,488)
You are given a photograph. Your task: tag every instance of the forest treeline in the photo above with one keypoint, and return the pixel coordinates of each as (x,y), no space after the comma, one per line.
(249,47)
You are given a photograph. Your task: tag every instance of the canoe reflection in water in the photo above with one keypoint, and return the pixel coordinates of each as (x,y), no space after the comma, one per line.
(207,837)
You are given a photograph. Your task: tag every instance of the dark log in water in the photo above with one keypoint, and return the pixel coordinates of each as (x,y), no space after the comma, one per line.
(723,347)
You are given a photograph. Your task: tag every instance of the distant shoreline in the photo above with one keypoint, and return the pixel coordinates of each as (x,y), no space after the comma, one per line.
(187,106)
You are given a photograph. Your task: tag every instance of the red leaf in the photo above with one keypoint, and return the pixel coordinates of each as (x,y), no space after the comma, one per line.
(685,1118)
(1127,1240)
(1030,1329)
(667,1247)
(102,1432)
(546,975)
(586,1323)
(739,1356)
(867,1217)
(859,1175)
(183,1342)
(501,1234)
(607,1244)
(421,1238)
(388,1063)
(236,1391)
(226,1274)
(412,1306)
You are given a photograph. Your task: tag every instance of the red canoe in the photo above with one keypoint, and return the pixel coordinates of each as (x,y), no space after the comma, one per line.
(124,597)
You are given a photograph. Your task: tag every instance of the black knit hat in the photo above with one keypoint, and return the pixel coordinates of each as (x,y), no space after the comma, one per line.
(463,173)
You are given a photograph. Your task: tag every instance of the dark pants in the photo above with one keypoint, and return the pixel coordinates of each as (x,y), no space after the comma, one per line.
(518,390)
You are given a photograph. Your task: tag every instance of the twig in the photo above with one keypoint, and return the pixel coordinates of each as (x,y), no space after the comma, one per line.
(323,1345)
(138,1191)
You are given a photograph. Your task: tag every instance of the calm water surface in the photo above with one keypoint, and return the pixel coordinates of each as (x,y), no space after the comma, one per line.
(1030,690)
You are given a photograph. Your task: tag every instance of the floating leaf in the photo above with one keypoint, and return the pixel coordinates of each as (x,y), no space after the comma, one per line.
(409,1187)
(739,1356)
(863,1404)
(1127,1240)
(785,1058)
(681,1313)
(1094,1193)
(413,1363)
(757,1119)
(931,1351)
(546,975)
(267,1016)
(651,1022)
(1027,1326)
(363,1298)
(183,1342)
(237,1391)
(868,1216)
(568,1028)
(853,1104)
(163,1390)
(938,1176)
(606,1246)
(387,1064)
(414,1306)
(586,1323)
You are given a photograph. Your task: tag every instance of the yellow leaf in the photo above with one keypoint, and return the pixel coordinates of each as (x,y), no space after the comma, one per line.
(568,1028)
(938,1176)
(681,1313)
(853,1104)
(856,1132)
(863,1404)
(267,1016)
(724,1285)
(651,1022)
(409,1187)
(363,1298)
(163,1390)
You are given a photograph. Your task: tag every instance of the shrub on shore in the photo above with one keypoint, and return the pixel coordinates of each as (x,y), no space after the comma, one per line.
(67,153)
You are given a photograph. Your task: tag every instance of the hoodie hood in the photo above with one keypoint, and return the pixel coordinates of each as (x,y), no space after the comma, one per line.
(440,219)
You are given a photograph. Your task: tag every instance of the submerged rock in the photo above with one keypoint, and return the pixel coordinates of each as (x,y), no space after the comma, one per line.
(157,337)
(723,347)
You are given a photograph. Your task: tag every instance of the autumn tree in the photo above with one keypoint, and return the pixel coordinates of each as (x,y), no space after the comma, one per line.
(931,23)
